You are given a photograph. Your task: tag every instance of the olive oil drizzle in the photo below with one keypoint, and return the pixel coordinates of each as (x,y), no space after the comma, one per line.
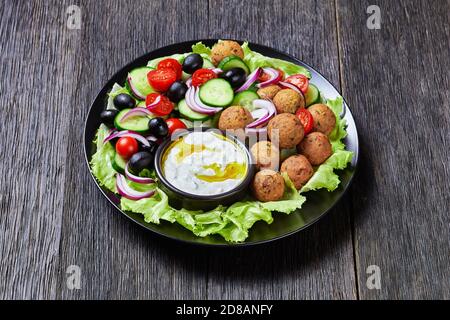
(233,170)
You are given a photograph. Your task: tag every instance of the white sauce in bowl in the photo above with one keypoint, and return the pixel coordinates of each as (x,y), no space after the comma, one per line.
(204,163)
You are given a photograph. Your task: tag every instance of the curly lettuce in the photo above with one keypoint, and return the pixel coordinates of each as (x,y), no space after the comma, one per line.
(101,162)
(324,176)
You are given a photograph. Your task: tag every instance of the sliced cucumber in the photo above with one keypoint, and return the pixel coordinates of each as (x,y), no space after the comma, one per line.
(207,63)
(138,124)
(141,104)
(188,113)
(312,95)
(233,62)
(217,93)
(137,82)
(119,163)
(245,98)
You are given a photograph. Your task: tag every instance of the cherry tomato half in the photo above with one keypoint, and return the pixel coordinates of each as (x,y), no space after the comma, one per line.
(300,81)
(175,124)
(201,76)
(306,119)
(126,147)
(173,64)
(161,79)
(163,108)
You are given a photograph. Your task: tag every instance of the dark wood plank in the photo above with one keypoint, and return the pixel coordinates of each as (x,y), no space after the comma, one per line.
(118,259)
(36,68)
(396,81)
(318,263)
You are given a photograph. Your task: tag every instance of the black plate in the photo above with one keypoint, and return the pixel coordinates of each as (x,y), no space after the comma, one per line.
(318,202)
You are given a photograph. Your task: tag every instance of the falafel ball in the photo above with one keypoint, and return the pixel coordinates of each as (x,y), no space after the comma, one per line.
(289,128)
(324,118)
(268,92)
(266,155)
(298,169)
(288,101)
(316,147)
(234,117)
(268,185)
(224,49)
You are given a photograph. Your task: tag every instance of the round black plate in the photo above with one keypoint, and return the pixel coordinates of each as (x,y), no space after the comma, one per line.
(318,202)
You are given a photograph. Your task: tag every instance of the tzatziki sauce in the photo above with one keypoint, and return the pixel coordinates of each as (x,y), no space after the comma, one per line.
(204,163)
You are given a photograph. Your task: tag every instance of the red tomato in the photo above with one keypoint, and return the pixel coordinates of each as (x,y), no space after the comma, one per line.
(201,76)
(161,79)
(175,124)
(306,119)
(163,108)
(126,147)
(173,64)
(300,81)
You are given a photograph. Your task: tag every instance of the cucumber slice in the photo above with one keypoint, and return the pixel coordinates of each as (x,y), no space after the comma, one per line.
(137,82)
(207,63)
(188,113)
(137,124)
(141,104)
(233,62)
(217,93)
(245,98)
(119,163)
(312,95)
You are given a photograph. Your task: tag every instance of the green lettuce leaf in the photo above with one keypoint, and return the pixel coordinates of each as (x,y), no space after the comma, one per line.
(201,49)
(254,60)
(324,176)
(101,162)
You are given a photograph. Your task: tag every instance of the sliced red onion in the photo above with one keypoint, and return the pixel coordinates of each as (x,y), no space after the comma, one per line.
(136,112)
(126,191)
(261,104)
(252,77)
(127,133)
(216,70)
(152,105)
(259,113)
(134,90)
(151,138)
(275,77)
(290,86)
(136,178)
(193,101)
(189,82)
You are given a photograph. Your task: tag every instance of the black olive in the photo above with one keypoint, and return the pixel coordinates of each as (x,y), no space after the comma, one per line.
(158,127)
(192,63)
(177,91)
(141,160)
(151,148)
(235,76)
(107,117)
(124,101)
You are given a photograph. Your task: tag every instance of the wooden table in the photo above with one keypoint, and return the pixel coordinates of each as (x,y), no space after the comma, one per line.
(396,216)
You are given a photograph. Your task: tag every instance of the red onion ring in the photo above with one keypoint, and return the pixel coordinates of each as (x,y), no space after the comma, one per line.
(252,77)
(275,77)
(189,82)
(134,90)
(136,112)
(152,105)
(193,101)
(265,105)
(137,179)
(127,133)
(290,86)
(126,191)
(216,70)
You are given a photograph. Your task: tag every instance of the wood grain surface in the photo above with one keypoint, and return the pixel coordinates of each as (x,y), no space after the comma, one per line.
(396,216)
